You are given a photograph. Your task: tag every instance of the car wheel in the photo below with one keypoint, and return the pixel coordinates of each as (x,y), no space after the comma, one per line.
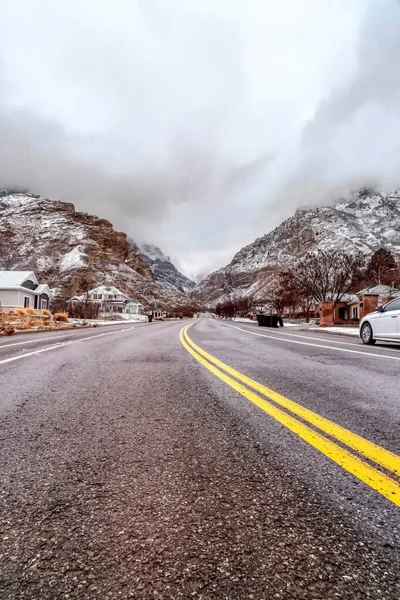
(366,334)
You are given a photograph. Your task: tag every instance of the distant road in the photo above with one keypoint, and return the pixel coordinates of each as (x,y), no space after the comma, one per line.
(221,460)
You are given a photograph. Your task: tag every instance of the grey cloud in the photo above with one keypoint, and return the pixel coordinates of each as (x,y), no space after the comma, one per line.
(354,137)
(183,123)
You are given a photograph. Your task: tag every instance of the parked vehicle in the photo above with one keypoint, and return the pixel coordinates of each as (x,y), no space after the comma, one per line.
(383,324)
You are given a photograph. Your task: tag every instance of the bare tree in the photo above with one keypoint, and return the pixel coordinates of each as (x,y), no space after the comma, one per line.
(282,293)
(327,275)
(225,309)
(243,306)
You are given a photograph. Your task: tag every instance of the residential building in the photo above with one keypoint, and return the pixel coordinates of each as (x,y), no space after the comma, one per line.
(353,307)
(111,302)
(21,289)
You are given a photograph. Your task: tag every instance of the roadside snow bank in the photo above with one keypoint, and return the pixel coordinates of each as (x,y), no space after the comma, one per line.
(344,330)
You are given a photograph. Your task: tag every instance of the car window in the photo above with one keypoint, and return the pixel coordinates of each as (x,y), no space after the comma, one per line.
(394,305)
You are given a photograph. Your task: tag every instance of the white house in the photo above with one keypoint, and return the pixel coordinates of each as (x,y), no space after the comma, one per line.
(21,289)
(112,302)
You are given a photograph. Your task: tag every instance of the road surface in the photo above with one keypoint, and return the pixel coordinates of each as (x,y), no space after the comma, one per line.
(227,461)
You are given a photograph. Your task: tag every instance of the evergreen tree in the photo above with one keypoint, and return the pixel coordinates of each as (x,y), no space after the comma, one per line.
(381,267)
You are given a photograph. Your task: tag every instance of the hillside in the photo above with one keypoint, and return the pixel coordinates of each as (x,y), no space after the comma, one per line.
(365,221)
(72,251)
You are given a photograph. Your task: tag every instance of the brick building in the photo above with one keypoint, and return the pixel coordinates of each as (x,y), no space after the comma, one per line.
(353,307)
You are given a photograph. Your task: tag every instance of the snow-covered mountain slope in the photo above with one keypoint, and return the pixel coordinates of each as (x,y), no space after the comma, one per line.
(72,251)
(164,271)
(365,221)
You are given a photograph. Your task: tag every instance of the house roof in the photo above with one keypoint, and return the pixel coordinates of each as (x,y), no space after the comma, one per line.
(43,288)
(381,290)
(106,289)
(349,298)
(12,279)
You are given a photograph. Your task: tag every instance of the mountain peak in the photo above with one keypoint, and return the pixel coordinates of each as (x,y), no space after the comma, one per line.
(164,271)
(154,252)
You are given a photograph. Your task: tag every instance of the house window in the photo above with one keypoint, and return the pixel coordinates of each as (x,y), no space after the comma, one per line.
(43,304)
(26,302)
(355,312)
(99,296)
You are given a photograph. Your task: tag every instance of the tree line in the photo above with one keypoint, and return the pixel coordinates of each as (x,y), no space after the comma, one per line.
(317,277)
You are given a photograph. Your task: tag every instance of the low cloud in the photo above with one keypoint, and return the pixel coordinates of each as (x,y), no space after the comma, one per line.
(353,139)
(198,126)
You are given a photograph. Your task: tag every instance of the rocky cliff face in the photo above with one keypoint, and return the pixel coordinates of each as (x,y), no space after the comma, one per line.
(164,271)
(362,221)
(72,251)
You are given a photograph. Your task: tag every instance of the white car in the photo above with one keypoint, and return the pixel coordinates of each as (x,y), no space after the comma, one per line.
(383,324)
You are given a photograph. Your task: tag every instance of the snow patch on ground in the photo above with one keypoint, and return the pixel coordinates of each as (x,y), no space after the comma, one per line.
(78,234)
(345,330)
(243,320)
(16,200)
(141,318)
(72,260)
(44,262)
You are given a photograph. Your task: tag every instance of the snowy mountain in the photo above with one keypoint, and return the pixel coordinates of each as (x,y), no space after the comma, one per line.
(73,251)
(164,271)
(365,220)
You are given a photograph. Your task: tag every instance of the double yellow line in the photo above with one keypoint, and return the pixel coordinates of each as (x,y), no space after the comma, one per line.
(353,463)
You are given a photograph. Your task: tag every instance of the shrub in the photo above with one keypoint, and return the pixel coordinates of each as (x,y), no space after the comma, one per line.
(21,312)
(36,322)
(61,317)
(9,331)
(46,312)
(30,311)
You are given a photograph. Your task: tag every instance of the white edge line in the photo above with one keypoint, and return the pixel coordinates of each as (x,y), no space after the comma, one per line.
(308,337)
(30,341)
(315,345)
(43,339)
(91,337)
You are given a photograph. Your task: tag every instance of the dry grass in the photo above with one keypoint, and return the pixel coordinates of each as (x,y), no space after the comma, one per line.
(62,317)
(46,312)
(36,322)
(30,311)
(22,325)
(22,320)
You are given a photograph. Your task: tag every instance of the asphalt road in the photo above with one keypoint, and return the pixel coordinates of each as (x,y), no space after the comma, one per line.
(129,469)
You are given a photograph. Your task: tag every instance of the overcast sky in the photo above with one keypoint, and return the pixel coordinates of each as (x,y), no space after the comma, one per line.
(198,125)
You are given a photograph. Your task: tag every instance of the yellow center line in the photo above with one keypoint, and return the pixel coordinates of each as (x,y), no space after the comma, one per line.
(376,453)
(374,478)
